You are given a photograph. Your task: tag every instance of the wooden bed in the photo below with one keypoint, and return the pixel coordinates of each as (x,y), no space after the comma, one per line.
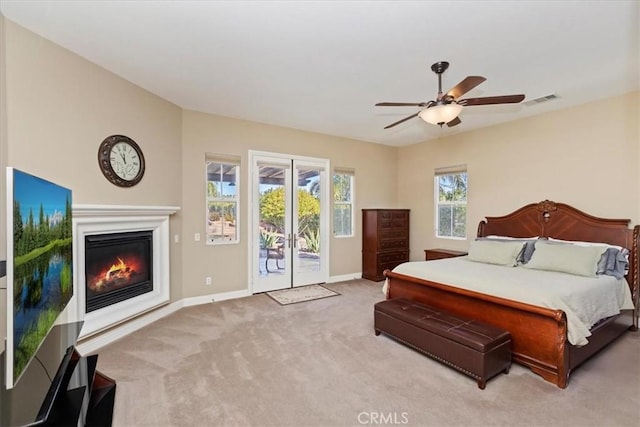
(539,334)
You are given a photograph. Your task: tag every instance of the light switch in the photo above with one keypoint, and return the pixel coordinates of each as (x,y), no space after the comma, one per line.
(196,237)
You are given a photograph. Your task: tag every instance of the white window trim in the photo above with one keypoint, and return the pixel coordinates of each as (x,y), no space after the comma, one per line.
(436,199)
(351,202)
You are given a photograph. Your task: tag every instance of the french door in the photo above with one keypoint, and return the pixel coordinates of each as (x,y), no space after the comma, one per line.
(289,225)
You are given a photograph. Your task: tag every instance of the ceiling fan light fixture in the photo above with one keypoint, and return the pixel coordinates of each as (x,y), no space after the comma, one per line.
(440,114)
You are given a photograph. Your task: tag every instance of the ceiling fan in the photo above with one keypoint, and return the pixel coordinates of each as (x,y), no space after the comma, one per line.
(447,106)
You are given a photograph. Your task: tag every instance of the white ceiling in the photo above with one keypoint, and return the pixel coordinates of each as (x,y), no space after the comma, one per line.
(321,66)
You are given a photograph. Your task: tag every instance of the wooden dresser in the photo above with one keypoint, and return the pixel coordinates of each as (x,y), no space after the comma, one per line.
(385,241)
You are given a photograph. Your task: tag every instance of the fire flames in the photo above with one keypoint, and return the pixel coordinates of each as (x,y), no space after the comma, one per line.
(118,271)
(117,275)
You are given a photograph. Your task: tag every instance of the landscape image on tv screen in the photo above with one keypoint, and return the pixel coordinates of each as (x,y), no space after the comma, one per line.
(39,268)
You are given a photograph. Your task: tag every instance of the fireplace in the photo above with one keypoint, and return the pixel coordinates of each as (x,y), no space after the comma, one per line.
(91,222)
(118,266)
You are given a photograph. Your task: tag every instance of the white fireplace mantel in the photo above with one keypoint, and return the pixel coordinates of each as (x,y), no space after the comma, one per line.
(101,219)
(122,210)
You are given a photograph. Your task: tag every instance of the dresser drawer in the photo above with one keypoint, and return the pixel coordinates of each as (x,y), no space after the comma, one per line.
(400,215)
(399,222)
(385,215)
(394,223)
(385,224)
(386,245)
(394,233)
(393,257)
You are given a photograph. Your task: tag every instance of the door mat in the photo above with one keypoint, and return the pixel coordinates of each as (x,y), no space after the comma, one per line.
(301,294)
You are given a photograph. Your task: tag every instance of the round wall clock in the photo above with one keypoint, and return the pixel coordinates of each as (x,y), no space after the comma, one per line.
(121,160)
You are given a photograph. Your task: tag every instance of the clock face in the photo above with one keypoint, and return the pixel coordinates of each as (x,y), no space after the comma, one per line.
(125,161)
(121,160)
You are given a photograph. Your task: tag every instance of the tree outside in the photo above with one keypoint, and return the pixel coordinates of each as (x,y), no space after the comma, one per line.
(452,204)
(342,207)
(221,212)
(272,212)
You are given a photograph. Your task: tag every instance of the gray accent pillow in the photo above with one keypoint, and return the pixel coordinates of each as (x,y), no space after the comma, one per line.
(614,263)
(527,252)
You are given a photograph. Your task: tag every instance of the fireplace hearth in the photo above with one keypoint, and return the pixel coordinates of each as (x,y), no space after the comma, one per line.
(119,266)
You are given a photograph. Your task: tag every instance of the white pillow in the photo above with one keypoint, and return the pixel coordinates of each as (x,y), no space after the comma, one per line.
(498,252)
(573,259)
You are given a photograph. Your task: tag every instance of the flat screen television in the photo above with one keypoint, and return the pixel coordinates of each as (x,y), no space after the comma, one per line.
(39,265)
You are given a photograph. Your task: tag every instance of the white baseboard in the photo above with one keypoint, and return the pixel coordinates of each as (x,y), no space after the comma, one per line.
(95,342)
(206,299)
(344,277)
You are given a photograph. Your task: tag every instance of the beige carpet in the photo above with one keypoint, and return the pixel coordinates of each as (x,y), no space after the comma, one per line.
(301,294)
(252,362)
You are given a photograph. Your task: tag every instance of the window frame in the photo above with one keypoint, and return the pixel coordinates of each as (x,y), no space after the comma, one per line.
(454,170)
(351,203)
(224,161)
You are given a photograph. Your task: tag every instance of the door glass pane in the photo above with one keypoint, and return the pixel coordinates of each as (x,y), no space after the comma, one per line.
(308,233)
(272,246)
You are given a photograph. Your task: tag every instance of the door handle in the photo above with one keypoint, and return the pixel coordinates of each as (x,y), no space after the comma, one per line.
(295,239)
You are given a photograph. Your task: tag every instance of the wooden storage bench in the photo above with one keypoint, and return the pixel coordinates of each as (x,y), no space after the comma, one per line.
(479,350)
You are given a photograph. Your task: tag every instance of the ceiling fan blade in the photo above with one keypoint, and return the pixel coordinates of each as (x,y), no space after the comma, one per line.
(454,122)
(465,86)
(403,120)
(402,104)
(506,99)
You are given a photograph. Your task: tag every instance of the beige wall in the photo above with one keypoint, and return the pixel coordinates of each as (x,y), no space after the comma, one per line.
(586,156)
(375,167)
(59,107)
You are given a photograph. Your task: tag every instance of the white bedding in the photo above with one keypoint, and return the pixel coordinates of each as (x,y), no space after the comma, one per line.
(585,300)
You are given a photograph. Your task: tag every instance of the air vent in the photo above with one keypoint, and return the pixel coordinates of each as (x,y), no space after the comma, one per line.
(541,99)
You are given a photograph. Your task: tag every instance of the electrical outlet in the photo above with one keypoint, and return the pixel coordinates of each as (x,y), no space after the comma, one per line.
(196,237)
(176,238)
(207,280)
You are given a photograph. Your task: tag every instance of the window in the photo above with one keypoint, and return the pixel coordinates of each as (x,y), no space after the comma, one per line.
(343,202)
(451,202)
(222,199)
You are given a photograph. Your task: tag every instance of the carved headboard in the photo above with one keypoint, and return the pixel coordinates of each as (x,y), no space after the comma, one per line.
(561,221)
